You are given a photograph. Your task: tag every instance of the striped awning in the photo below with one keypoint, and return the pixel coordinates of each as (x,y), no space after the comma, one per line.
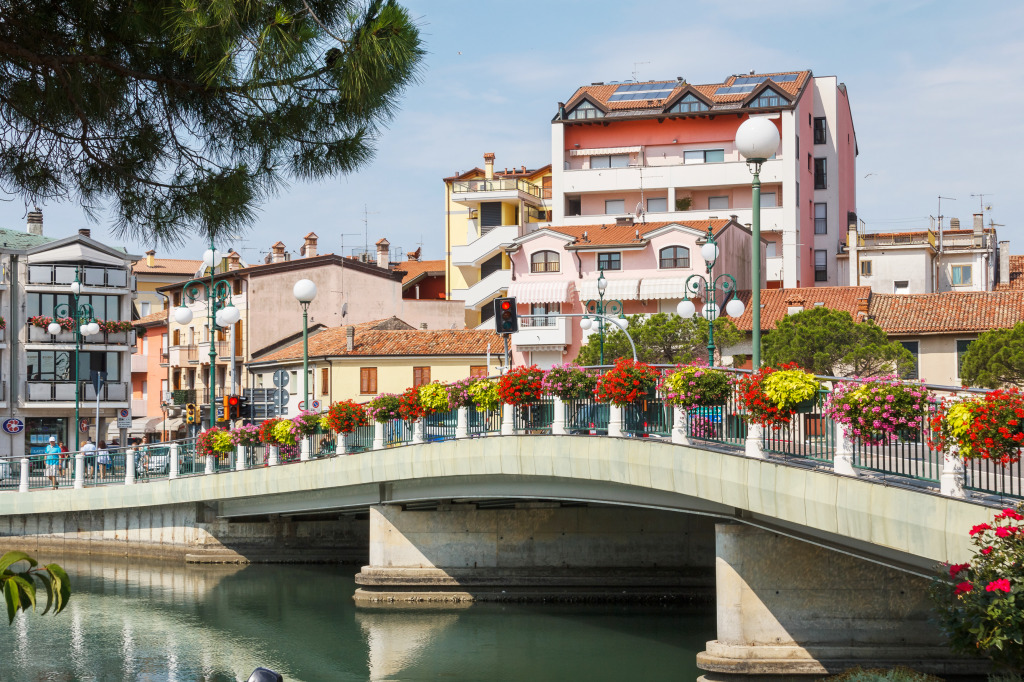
(540,292)
(601,151)
(621,289)
(662,287)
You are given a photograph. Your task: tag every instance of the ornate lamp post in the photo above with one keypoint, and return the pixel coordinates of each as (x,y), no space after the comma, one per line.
(757,140)
(706,288)
(84,325)
(602,307)
(220,313)
(304,292)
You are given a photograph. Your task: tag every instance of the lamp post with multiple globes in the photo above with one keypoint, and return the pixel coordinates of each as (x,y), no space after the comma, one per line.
(85,324)
(304,292)
(601,308)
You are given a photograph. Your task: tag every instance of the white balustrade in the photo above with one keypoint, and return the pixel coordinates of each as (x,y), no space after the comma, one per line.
(240,458)
(508,423)
(680,426)
(23,482)
(378,436)
(558,421)
(842,460)
(754,445)
(304,450)
(173,452)
(79,470)
(418,431)
(211,464)
(129,466)
(273,456)
(462,423)
(614,421)
(952,480)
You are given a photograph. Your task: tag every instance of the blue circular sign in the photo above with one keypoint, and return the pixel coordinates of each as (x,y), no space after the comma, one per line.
(13,425)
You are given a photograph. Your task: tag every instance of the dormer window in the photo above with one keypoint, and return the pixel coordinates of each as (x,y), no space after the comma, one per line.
(768,98)
(688,105)
(585,109)
(544,261)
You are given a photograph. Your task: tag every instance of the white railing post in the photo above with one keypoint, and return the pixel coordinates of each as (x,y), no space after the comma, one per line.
(304,449)
(341,443)
(508,423)
(211,464)
(558,423)
(172,463)
(842,460)
(418,431)
(754,446)
(23,483)
(79,470)
(240,458)
(952,479)
(680,425)
(462,422)
(378,435)
(273,455)
(129,466)
(615,421)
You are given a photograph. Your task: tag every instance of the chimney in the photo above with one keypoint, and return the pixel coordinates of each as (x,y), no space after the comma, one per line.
(277,253)
(862,307)
(35,222)
(624,221)
(234,261)
(350,338)
(414,255)
(1004,262)
(308,249)
(85,231)
(383,248)
(954,223)
(423,325)
(151,258)
(979,222)
(489,166)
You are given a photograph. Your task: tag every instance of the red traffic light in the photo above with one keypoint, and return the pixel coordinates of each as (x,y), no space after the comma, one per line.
(233,400)
(506,305)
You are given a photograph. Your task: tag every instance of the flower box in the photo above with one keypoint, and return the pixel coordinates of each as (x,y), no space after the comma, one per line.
(806,406)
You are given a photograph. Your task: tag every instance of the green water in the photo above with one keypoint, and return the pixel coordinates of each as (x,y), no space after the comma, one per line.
(130,621)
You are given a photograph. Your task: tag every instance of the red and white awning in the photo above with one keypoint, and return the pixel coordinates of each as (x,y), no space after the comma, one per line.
(601,151)
(662,287)
(619,289)
(540,292)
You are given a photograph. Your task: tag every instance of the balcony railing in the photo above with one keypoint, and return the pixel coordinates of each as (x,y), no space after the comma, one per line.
(201,352)
(114,278)
(40,335)
(64,391)
(140,363)
(497,185)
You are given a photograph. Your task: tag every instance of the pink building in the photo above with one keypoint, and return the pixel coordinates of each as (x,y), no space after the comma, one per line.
(555,270)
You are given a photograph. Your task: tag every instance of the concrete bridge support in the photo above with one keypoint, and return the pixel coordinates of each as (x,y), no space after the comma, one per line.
(789,610)
(535,551)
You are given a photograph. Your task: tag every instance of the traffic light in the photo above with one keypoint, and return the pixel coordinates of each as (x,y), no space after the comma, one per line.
(244,407)
(505,315)
(225,409)
(231,407)
(191,413)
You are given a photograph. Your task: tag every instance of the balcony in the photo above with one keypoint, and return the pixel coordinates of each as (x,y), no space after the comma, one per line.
(140,363)
(772,218)
(480,247)
(551,333)
(64,391)
(471,192)
(89,276)
(40,335)
(200,354)
(773,268)
(139,407)
(725,174)
(486,289)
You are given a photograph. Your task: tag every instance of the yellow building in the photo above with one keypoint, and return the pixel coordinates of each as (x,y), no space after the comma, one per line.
(484,210)
(153,273)
(361,361)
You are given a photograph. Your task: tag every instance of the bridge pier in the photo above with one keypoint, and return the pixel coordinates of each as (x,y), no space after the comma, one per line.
(535,551)
(790,610)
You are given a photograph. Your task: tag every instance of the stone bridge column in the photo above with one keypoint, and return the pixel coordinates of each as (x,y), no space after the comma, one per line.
(790,610)
(172,460)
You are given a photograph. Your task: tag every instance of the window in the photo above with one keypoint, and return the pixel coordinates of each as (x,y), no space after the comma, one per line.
(657,205)
(819,134)
(163,343)
(50,365)
(718,203)
(961,348)
(573,207)
(961,275)
(768,200)
(821,219)
(544,261)
(768,98)
(609,261)
(612,161)
(585,110)
(865,268)
(771,250)
(145,390)
(674,257)
(543,309)
(420,376)
(103,307)
(820,174)
(177,298)
(901,286)
(688,105)
(914,348)
(236,287)
(478,371)
(144,308)
(820,267)
(294,383)
(367,380)
(324,380)
(704,156)
(614,206)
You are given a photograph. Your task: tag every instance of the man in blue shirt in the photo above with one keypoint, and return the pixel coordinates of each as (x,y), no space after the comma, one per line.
(52,461)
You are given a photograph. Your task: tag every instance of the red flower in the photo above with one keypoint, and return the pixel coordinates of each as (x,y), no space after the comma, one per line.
(1004,532)
(1010,514)
(1001,585)
(962,588)
(986,550)
(980,528)
(957,568)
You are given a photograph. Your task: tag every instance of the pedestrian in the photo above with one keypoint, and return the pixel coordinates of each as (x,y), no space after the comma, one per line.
(52,461)
(89,450)
(63,457)
(102,459)
(142,458)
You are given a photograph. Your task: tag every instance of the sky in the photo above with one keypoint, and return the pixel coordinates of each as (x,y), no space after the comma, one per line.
(936,89)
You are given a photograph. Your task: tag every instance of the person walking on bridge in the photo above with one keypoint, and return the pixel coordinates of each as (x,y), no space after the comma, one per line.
(52,461)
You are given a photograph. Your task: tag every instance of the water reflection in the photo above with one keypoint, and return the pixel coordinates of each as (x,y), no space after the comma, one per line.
(137,621)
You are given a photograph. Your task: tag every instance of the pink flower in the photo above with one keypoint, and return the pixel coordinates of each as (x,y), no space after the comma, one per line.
(1003,532)
(1001,585)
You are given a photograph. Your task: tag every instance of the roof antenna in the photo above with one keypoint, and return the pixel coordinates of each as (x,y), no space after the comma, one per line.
(981,202)
(636,71)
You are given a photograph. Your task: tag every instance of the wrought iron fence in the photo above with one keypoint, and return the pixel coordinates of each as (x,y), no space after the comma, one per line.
(586,416)
(908,456)
(647,417)
(994,478)
(322,443)
(397,432)
(808,435)
(361,439)
(534,418)
(440,426)
(482,423)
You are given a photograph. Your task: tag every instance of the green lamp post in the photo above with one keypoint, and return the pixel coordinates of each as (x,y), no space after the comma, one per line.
(84,324)
(601,307)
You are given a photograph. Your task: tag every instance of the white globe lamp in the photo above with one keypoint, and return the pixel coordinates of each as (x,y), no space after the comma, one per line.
(182,315)
(83,329)
(757,139)
(304,290)
(228,316)
(622,323)
(76,288)
(734,308)
(585,323)
(709,252)
(94,328)
(211,257)
(710,312)
(686,309)
(53,328)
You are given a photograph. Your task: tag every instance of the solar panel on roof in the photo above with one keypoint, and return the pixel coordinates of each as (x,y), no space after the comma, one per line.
(785,78)
(735,89)
(642,91)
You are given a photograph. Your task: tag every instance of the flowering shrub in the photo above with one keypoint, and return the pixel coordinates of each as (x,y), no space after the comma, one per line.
(434,398)
(484,395)
(306,422)
(881,409)
(383,408)
(987,427)
(285,432)
(569,382)
(247,435)
(345,417)
(696,386)
(703,427)
(626,382)
(288,453)
(981,606)
(409,406)
(458,393)
(267,431)
(520,385)
(214,441)
(43,321)
(771,402)
(114,326)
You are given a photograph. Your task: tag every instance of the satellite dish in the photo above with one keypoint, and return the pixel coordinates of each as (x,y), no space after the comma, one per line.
(639,212)
(344,309)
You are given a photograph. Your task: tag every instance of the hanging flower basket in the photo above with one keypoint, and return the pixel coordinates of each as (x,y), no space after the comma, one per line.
(306,423)
(345,417)
(247,435)
(433,398)
(458,393)
(409,407)
(114,326)
(521,385)
(383,408)
(883,409)
(569,382)
(484,395)
(215,441)
(697,386)
(626,383)
(985,427)
(772,395)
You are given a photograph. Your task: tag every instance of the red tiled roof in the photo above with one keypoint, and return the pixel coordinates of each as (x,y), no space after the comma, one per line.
(947,312)
(375,342)
(775,303)
(414,268)
(157,318)
(167,266)
(1016,275)
(476,172)
(626,234)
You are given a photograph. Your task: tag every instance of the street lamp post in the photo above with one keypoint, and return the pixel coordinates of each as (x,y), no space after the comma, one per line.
(601,310)
(706,288)
(221,312)
(304,292)
(84,325)
(757,139)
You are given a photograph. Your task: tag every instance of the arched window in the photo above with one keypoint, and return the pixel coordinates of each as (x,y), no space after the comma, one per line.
(674,257)
(768,98)
(688,104)
(585,110)
(544,261)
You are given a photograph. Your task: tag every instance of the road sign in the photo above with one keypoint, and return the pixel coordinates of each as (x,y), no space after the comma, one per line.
(316,404)
(124,418)
(13,425)
(302,405)
(281,378)
(83,425)
(97,378)
(281,397)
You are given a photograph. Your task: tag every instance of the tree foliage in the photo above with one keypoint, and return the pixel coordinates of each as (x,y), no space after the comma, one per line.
(826,341)
(19,587)
(184,115)
(661,339)
(995,358)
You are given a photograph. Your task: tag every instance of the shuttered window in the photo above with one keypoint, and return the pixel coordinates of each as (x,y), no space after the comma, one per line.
(324,378)
(367,379)
(490,213)
(478,371)
(420,376)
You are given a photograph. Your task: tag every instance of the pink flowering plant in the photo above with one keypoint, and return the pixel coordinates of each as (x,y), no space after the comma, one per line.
(981,604)
(306,423)
(458,393)
(696,385)
(384,408)
(569,382)
(883,409)
(247,435)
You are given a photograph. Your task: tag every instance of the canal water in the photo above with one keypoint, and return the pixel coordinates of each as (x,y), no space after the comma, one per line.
(140,621)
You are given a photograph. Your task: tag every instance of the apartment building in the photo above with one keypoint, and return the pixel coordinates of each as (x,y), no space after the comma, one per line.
(665,150)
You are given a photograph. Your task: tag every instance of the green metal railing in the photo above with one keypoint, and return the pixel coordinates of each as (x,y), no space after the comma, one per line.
(647,417)
(322,443)
(534,418)
(481,423)
(808,435)
(361,439)
(397,432)
(908,456)
(440,426)
(586,416)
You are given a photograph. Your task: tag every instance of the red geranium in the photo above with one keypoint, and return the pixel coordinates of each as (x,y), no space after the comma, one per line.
(267,431)
(520,385)
(994,426)
(759,408)
(346,416)
(409,406)
(627,382)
